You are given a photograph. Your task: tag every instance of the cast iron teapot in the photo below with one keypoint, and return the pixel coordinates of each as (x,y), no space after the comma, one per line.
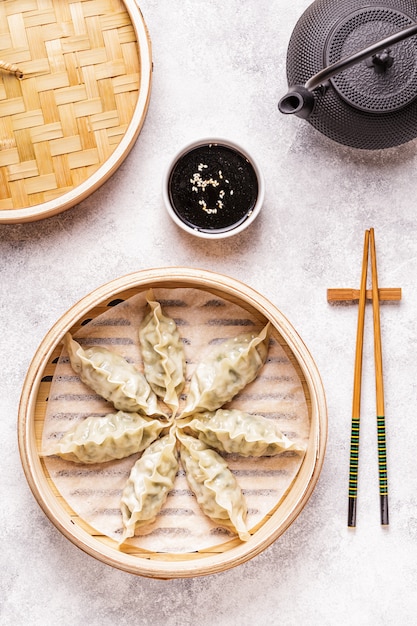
(352,71)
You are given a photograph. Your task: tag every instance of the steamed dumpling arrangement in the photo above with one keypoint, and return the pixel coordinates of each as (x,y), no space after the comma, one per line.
(146,421)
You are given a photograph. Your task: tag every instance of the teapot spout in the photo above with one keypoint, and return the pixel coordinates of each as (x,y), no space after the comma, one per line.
(298,101)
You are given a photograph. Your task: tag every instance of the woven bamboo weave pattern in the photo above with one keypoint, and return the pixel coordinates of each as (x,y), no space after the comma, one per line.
(81,78)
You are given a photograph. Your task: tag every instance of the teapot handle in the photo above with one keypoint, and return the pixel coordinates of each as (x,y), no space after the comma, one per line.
(300,101)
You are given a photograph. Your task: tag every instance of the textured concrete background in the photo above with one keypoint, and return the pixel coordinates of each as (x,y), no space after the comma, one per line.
(220,70)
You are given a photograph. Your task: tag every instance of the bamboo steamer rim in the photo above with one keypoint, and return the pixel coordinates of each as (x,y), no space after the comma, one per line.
(239,552)
(81,191)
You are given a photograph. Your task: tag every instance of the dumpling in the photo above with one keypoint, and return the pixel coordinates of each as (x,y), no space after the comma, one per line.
(214,485)
(98,439)
(163,355)
(237,432)
(151,479)
(112,377)
(226,371)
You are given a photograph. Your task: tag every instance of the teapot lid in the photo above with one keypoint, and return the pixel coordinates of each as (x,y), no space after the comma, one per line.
(368,86)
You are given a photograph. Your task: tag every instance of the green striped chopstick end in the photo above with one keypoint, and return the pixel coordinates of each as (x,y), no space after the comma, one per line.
(382,467)
(382,456)
(353,471)
(354,457)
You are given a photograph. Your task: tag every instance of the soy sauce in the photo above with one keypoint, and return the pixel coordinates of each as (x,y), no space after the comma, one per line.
(213,188)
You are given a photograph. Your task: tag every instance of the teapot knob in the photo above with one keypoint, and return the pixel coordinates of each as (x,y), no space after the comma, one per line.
(381,61)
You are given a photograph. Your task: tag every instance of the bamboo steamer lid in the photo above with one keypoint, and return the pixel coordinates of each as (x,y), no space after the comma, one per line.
(156,563)
(73,116)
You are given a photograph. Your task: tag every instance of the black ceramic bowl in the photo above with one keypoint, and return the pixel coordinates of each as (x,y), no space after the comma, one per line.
(213,188)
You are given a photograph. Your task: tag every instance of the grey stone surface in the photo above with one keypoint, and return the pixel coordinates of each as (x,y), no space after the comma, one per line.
(219,69)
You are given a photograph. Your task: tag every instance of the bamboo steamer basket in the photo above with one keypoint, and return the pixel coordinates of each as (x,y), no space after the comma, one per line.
(155,564)
(75,114)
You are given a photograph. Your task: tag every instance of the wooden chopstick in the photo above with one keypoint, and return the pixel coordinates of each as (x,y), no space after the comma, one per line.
(357,383)
(379,382)
(369,243)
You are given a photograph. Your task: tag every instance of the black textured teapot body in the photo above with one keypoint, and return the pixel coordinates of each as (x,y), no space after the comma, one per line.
(371,103)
